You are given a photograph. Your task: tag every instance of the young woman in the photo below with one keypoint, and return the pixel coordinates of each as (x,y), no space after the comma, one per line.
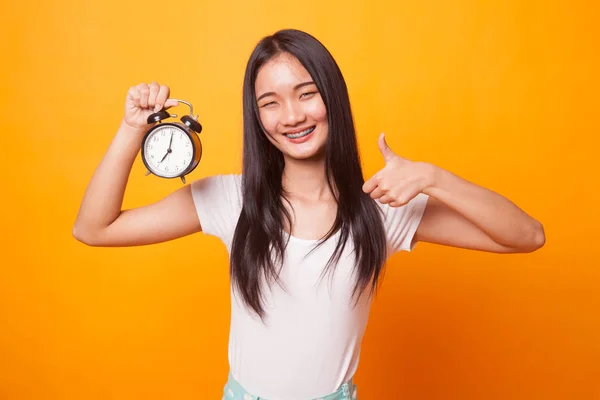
(307,236)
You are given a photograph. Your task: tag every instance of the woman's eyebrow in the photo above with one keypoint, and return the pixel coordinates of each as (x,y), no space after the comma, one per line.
(298,86)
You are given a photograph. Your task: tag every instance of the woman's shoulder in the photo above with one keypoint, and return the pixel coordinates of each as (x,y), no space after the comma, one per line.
(223,178)
(235,180)
(218,185)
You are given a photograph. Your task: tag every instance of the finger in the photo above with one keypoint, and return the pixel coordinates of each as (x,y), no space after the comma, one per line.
(161,97)
(171,103)
(134,94)
(377,193)
(384,148)
(144,92)
(371,184)
(154,88)
(406,196)
(385,199)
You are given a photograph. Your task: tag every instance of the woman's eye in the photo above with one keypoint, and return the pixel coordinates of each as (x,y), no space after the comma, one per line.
(307,94)
(267,104)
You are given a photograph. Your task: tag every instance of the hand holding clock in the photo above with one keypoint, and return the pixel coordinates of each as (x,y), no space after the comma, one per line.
(146,118)
(143,100)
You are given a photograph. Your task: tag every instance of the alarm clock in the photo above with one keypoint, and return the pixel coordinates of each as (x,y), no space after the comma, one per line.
(172,149)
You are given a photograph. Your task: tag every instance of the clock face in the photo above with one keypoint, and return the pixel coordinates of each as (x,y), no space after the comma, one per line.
(168,151)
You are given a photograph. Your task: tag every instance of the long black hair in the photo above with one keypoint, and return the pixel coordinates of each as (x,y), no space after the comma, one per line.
(258,242)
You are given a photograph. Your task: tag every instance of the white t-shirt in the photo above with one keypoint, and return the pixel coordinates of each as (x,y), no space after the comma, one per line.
(310,342)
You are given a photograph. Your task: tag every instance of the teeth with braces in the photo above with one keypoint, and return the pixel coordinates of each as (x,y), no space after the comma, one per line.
(300,134)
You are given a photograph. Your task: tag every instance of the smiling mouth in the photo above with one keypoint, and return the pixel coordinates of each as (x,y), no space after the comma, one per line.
(300,134)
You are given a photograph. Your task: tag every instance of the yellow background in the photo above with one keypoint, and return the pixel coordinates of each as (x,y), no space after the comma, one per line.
(503,93)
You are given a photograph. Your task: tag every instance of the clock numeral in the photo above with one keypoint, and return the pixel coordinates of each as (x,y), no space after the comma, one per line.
(152,156)
(162,133)
(155,139)
(166,169)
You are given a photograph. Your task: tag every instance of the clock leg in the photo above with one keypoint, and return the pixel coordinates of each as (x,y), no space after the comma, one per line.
(183,179)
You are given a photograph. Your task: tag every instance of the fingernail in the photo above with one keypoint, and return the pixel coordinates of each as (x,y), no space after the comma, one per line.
(156,107)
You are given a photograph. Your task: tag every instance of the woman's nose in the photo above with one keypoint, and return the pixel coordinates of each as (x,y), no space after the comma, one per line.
(293,114)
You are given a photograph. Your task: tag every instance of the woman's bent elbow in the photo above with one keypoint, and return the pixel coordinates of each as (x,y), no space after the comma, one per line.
(82,236)
(538,239)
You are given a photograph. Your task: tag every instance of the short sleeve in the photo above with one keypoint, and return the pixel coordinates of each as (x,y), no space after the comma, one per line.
(401,223)
(218,202)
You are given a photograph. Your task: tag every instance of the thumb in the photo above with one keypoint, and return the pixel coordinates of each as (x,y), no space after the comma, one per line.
(385,149)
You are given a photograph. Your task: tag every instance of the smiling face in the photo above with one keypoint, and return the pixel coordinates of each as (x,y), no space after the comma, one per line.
(291,108)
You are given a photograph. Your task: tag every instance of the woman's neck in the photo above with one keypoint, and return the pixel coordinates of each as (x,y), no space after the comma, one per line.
(306,179)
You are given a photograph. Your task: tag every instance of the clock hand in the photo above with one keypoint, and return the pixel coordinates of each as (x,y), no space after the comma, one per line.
(168,150)
(165,156)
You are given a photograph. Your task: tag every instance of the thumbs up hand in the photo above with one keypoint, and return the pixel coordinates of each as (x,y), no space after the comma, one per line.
(400,180)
